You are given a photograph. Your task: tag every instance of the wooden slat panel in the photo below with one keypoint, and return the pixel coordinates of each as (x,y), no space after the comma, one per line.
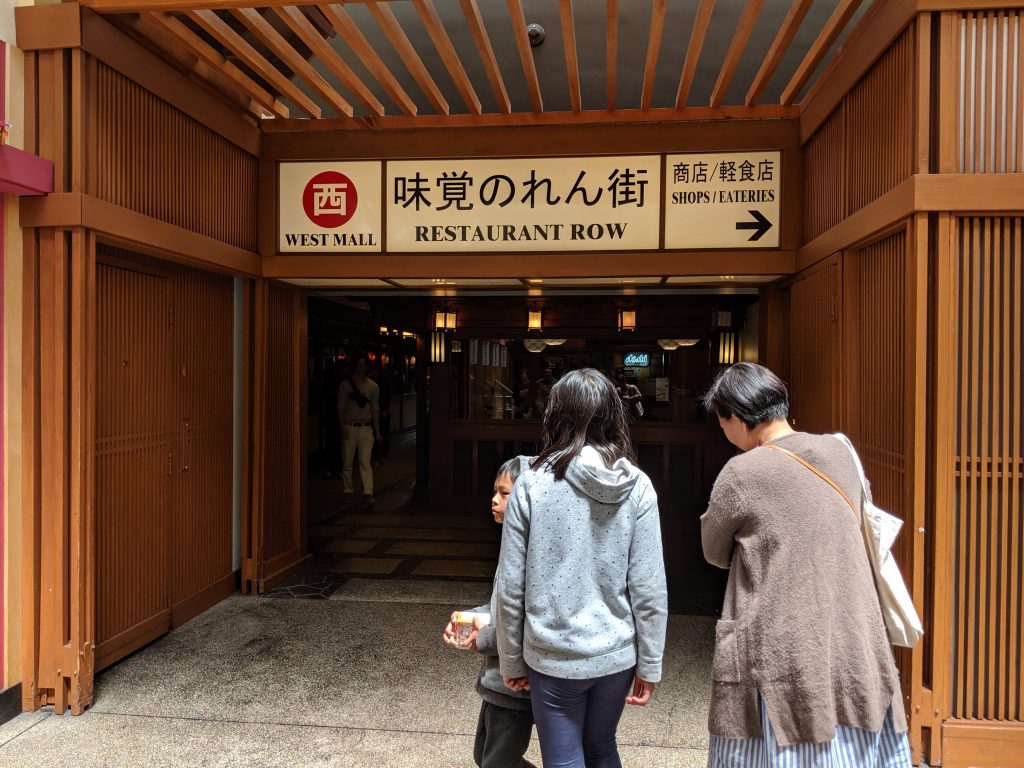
(814,349)
(280,483)
(988,470)
(153,159)
(825,177)
(879,153)
(134,379)
(988,67)
(202,515)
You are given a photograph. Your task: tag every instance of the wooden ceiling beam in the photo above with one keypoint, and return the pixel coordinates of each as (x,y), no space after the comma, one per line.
(206,54)
(357,41)
(698,34)
(736,48)
(275,42)
(515,9)
(819,49)
(311,36)
(572,66)
(385,18)
(653,49)
(432,23)
(783,39)
(167,6)
(471,11)
(611,37)
(231,40)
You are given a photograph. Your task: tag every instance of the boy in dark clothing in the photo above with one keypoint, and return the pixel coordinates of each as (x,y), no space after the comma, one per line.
(506,719)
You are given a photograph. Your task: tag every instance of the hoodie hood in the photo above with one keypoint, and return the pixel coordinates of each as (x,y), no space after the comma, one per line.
(588,474)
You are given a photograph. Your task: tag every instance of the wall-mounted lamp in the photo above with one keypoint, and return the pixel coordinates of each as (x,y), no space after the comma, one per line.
(627,319)
(535,321)
(438,342)
(728,347)
(445,320)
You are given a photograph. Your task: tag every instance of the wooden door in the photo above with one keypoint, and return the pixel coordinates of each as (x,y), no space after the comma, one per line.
(275,526)
(163,448)
(201,571)
(134,455)
(814,347)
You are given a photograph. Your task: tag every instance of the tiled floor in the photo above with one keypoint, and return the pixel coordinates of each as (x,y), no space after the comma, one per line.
(397,537)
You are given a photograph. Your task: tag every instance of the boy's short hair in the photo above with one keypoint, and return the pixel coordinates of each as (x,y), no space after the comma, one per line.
(511,468)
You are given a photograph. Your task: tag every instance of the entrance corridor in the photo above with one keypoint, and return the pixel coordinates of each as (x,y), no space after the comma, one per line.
(358,679)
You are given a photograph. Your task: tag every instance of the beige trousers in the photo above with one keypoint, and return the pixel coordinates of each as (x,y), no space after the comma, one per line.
(359,441)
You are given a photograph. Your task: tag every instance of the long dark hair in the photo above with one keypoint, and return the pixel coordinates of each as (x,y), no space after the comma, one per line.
(584,408)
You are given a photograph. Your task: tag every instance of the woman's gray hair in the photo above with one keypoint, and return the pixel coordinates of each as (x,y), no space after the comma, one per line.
(750,392)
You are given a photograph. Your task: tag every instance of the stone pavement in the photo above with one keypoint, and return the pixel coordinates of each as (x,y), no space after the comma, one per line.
(359,679)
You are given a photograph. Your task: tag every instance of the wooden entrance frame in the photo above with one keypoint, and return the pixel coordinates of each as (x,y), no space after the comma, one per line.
(65,44)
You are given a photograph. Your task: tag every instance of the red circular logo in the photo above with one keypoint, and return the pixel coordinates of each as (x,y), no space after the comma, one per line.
(330,199)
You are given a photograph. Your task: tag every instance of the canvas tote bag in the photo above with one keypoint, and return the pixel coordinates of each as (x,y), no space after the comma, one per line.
(879,530)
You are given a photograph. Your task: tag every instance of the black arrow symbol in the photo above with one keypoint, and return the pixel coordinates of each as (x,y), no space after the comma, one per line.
(761,225)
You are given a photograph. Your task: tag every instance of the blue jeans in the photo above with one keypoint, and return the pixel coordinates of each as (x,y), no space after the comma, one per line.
(576,719)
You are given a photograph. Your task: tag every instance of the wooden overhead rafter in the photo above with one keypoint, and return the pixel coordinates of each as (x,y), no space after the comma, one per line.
(385,18)
(471,11)
(432,22)
(783,39)
(272,39)
(304,29)
(736,48)
(701,23)
(515,9)
(612,50)
(355,39)
(231,40)
(653,49)
(819,49)
(572,66)
(167,6)
(162,23)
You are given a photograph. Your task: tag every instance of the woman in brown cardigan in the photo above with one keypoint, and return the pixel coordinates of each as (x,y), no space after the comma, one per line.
(803,673)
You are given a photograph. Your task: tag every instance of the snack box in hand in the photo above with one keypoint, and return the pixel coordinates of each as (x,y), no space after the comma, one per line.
(464,625)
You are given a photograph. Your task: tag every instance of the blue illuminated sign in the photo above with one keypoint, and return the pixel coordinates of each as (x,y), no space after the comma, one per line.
(637,360)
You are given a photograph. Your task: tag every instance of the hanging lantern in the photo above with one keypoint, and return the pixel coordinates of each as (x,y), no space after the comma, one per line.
(627,319)
(535,322)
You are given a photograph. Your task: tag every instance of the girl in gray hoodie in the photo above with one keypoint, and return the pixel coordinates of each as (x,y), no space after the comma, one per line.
(580,600)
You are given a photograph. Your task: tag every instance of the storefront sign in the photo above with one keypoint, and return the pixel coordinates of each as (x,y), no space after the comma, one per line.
(637,360)
(540,204)
(722,200)
(330,207)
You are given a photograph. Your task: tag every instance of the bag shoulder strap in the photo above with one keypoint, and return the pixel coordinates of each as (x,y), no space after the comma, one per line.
(820,474)
(856,460)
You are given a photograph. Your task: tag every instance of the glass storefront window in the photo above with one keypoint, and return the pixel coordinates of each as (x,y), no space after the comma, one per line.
(511,378)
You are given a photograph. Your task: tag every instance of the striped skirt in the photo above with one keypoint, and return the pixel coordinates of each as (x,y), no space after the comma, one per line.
(851,748)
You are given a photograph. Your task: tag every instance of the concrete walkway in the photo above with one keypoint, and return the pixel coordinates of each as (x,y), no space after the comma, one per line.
(360,679)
